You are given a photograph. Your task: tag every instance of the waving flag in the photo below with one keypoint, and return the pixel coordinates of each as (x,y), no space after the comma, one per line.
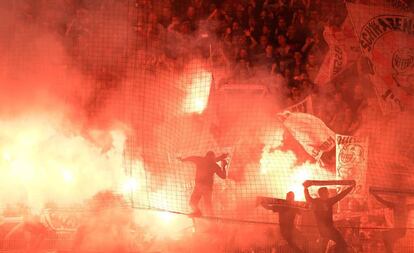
(396,4)
(386,37)
(311,132)
(352,159)
(303,106)
(343,51)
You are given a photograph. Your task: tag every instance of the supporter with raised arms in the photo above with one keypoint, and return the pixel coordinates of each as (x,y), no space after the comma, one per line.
(322,209)
(287,216)
(400,210)
(206,167)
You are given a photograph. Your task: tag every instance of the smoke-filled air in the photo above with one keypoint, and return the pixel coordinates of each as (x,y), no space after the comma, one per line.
(206,126)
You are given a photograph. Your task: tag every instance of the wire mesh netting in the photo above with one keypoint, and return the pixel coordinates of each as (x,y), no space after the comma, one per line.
(289,90)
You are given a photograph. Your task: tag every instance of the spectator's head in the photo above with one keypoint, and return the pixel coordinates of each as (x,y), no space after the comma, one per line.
(297,56)
(300,13)
(283,64)
(290,197)
(243,54)
(240,11)
(140,27)
(264,41)
(153,18)
(314,15)
(281,23)
(337,20)
(291,32)
(297,74)
(227,31)
(265,30)
(287,73)
(312,60)
(175,20)
(312,26)
(263,14)
(244,63)
(210,156)
(191,12)
(242,40)
(306,83)
(166,12)
(250,10)
(281,40)
(270,15)
(185,27)
(323,193)
(252,22)
(235,26)
(316,38)
(269,50)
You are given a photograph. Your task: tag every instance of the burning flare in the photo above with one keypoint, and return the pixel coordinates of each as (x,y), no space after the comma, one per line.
(40,163)
(282,169)
(197,87)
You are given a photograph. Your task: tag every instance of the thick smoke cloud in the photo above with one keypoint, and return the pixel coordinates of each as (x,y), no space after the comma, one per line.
(49,136)
(106,92)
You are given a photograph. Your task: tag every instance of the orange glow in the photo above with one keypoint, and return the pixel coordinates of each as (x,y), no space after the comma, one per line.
(165,224)
(130,185)
(166,216)
(198,91)
(40,163)
(67,176)
(280,167)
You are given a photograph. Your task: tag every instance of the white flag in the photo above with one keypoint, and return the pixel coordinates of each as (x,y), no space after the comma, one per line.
(311,132)
(343,51)
(352,159)
(303,106)
(386,37)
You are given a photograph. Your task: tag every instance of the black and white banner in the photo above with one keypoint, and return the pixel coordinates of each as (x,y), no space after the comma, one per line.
(343,51)
(304,106)
(352,159)
(310,131)
(386,38)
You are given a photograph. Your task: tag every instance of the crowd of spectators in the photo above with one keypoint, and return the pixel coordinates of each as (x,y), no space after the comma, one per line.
(252,38)
(276,43)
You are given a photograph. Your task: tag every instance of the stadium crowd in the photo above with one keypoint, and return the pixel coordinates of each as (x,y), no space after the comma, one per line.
(276,43)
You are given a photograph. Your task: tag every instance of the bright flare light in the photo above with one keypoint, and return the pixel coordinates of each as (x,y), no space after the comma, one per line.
(280,167)
(6,155)
(198,91)
(68,176)
(301,175)
(130,185)
(40,163)
(166,216)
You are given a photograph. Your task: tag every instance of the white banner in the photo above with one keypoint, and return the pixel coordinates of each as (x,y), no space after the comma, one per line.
(396,4)
(311,132)
(351,160)
(304,106)
(343,50)
(386,37)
